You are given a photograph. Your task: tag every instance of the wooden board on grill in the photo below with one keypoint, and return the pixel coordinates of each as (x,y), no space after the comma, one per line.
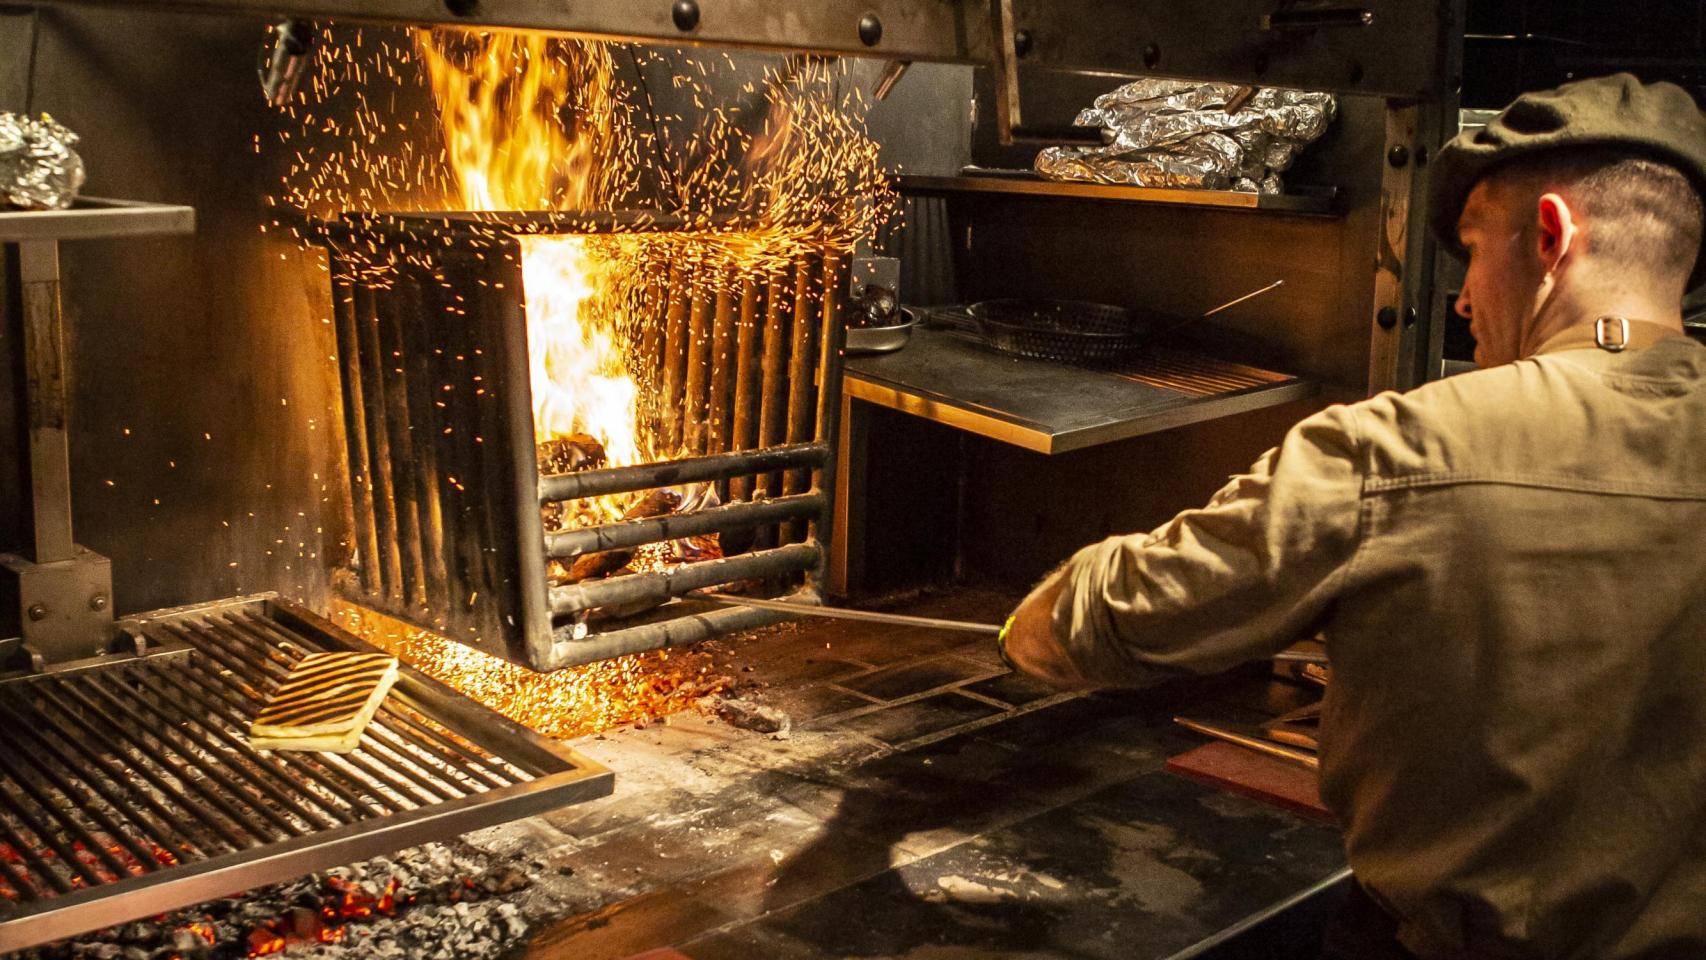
(325,702)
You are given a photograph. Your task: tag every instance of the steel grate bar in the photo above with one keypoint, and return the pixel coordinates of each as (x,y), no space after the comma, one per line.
(196,757)
(161,831)
(28,852)
(493,770)
(365,531)
(21,886)
(385,738)
(48,838)
(60,809)
(256,833)
(182,721)
(50,768)
(272,671)
(241,696)
(167,789)
(388,560)
(348,813)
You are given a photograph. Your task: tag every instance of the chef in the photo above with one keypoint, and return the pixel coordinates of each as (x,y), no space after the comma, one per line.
(1508,566)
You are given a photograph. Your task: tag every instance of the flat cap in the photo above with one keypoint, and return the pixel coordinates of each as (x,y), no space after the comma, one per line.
(1658,120)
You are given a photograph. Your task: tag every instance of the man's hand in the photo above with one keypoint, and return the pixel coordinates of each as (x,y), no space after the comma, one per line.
(1029,638)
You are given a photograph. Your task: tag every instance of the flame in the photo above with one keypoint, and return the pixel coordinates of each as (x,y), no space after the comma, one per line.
(530,123)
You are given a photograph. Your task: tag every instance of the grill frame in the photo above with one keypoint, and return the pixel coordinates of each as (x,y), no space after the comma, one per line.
(465,554)
(432,764)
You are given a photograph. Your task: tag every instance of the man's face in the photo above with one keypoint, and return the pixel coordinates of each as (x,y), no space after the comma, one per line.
(1504,270)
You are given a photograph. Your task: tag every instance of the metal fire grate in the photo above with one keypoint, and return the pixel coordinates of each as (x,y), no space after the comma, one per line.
(128,788)
(445,485)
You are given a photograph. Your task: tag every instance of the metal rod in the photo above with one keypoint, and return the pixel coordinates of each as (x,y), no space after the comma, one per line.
(833,334)
(446,749)
(1236,301)
(667,473)
(364,532)
(843,613)
(257,833)
(675,358)
(674,632)
(632,533)
(23,887)
(746,383)
(1288,754)
(325,781)
(362,784)
(802,361)
(167,832)
(416,360)
(400,437)
(718,415)
(632,588)
(194,755)
(693,403)
(49,410)
(26,850)
(223,832)
(152,831)
(388,558)
(61,813)
(773,412)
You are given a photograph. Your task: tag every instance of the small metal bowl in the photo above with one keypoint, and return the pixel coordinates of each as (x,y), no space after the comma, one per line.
(881,339)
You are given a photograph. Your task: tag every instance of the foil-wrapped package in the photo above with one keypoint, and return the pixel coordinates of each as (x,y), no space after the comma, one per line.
(39,169)
(1178,133)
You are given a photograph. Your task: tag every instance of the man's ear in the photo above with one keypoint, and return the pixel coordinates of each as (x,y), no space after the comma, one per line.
(1558,231)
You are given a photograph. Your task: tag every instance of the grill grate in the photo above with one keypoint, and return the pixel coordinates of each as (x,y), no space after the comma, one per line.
(129,787)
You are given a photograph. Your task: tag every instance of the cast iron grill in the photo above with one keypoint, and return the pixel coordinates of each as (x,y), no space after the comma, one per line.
(128,788)
(445,488)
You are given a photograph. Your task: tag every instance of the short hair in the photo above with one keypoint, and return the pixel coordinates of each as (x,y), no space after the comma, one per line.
(1654,208)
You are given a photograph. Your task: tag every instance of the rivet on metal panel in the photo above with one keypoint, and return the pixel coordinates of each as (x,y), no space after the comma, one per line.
(1387,318)
(1152,55)
(870,30)
(1398,156)
(1410,316)
(37,612)
(98,602)
(1022,42)
(685,13)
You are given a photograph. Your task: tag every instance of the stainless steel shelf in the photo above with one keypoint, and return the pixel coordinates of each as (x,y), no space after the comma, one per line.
(94,218)
(1311,203)
(1054,408)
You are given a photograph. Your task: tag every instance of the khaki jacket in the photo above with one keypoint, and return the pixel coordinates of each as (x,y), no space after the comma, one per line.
(1509,567)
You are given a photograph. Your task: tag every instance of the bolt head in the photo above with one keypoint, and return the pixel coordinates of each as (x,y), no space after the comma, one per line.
(98,602)
(1022,43)
(685,13)
(1398,156)
(1387,317)
(37,612)
(870,30)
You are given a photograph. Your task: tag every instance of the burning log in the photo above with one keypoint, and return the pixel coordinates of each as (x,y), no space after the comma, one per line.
(655,504)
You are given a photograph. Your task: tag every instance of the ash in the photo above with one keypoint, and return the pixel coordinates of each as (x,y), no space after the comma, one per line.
(439,901)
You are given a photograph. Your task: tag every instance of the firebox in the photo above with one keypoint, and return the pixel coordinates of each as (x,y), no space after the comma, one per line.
(465,522)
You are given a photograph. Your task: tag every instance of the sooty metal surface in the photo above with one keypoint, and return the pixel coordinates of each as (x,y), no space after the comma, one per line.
(739,370)
(128,788)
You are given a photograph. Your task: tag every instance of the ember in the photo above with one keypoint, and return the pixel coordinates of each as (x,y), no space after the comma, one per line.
(566,703)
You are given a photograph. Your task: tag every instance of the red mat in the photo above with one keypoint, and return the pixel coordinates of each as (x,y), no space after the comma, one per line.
(1255,775)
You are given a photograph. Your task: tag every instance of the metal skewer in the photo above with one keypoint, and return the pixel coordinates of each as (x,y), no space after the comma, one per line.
(842,613)
(1256,743)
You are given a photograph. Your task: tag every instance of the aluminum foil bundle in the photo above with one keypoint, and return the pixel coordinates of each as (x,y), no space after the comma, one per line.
(1178,133)
(39,169)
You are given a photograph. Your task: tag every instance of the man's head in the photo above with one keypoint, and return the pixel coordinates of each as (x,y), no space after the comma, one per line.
(1572,199)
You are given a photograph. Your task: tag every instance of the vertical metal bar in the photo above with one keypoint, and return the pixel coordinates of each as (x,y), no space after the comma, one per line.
(830,365)
(378,442)
(722,370)
(45,387)
(405,467)
(362,530)
(509,442)
(802,360)
(421,385)
(456,475)
(773,410)
(676,341)
(472,482)
(699,317)
(76,715)
(746,381)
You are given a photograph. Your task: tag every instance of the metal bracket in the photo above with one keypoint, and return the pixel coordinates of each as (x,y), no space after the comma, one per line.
(1004,65)
(65,607)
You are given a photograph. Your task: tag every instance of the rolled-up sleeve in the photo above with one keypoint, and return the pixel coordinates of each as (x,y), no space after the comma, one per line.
(1237,580)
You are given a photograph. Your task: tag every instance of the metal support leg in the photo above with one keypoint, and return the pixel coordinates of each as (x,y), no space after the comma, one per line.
(63,592)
